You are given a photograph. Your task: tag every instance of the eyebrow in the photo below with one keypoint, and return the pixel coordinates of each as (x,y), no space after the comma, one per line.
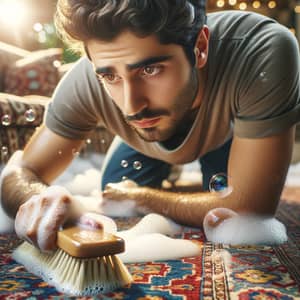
(143,63)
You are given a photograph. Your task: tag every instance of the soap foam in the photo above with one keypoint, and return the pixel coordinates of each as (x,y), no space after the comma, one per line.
(247,229)
(156,246)
(152,223)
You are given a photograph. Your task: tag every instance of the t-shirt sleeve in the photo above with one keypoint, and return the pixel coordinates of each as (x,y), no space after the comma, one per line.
(75,109)
(268,90)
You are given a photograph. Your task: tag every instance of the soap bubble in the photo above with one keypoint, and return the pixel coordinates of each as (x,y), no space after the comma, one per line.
(137,165)
(30,115)
(6,120)
(218,182)
(124,163)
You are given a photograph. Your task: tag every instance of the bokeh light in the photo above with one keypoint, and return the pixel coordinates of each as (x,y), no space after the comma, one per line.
(37,27)
(243,6)
(272,4)
(256,4)
(220,3)
(297,9)
(232,2)
(13,13)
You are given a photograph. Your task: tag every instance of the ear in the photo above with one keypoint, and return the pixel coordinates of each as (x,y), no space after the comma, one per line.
(201,47)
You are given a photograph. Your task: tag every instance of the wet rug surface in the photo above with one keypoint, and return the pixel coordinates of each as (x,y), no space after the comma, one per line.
(219,272)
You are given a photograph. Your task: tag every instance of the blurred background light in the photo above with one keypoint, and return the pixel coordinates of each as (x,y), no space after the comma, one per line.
(29,23)
(256,4)
(272,4)
(220,3)
(232,2)
(243,6)
(37,27)
(13,13)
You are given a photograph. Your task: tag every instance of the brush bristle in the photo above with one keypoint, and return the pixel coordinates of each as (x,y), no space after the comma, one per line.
(71,275)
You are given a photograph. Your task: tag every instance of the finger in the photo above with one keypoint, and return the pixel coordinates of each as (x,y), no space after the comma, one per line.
(87,221)
(54,218)
(111,194)
(106,194)
(99,221)
(216,216)
(24,217)
(127,183)
(40,206)
(122,185)
(110,186)
(21,221)
(115,191)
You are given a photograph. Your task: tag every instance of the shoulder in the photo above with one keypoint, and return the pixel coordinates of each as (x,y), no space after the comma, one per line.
(280,37)
(80,69)
(240,25)
(80,81)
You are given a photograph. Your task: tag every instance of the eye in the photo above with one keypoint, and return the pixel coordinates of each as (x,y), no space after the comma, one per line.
(110,78)
(151,70)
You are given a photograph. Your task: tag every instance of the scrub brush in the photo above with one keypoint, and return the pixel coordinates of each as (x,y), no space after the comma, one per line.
(84,263)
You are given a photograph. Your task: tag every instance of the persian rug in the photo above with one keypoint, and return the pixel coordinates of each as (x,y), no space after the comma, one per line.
(219,272)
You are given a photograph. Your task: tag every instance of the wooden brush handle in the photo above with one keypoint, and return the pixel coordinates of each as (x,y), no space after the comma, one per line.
(86,243)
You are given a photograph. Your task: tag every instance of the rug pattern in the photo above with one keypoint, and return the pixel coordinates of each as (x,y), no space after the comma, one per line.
(220,272)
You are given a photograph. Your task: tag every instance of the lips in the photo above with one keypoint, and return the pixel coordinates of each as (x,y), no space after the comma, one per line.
(146,123)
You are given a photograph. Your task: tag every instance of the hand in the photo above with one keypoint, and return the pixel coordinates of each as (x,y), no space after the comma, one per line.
(216,216)
(39,218)
(120,190)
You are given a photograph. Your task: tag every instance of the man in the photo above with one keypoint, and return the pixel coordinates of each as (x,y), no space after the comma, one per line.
(173,90)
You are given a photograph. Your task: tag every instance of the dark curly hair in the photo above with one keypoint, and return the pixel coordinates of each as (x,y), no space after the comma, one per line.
(172,21)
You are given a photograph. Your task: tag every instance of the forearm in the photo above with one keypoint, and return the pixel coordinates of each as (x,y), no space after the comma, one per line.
(185,208)
(17,186)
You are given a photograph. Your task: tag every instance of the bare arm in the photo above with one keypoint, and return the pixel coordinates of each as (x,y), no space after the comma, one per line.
(27,174)
(39,210)
(256,174)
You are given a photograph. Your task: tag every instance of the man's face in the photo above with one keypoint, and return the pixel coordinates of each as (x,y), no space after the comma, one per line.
(153,85)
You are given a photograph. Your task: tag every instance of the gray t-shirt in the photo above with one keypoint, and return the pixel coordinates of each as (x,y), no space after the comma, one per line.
(251,90)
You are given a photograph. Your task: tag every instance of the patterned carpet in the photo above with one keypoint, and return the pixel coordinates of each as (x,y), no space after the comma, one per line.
(220,272)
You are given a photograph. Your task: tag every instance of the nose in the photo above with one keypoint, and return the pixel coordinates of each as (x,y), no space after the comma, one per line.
(134,98)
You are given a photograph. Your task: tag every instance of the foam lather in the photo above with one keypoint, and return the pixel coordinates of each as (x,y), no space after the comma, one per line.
(83,265)
(248,229)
